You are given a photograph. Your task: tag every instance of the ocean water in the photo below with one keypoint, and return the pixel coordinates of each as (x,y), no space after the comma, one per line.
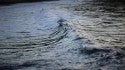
(63,35)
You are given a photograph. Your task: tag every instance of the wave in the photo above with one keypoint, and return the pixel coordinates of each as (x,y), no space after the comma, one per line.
(57,34)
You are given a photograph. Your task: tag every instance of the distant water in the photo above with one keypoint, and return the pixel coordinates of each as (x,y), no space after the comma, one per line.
(63,35)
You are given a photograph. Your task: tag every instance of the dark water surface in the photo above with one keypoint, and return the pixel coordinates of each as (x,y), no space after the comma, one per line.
(63,35)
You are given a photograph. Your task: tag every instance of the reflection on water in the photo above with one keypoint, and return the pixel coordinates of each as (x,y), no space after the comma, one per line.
(63,35)
(108,21)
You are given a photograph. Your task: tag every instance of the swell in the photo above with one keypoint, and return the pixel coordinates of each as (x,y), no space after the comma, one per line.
(57,34)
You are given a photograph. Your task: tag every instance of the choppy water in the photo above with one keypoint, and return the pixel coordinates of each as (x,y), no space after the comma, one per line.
(62,35)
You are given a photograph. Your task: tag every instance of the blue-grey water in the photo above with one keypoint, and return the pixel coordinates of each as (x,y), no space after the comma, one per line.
(63,35)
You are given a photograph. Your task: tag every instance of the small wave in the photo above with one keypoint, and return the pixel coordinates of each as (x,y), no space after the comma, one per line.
(55,36)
